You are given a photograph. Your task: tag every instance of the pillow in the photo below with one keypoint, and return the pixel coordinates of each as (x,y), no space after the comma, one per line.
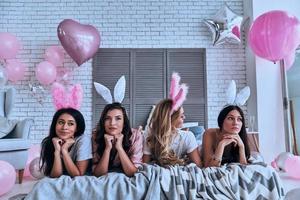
(198,132)
(6,126)
(189,124)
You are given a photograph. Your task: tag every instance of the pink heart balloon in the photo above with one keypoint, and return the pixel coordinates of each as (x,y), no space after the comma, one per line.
(80,41)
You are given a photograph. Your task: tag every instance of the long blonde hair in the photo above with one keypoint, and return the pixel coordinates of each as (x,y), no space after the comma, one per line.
(161,132)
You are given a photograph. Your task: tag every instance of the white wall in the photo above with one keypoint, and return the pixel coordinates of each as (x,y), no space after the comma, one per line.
(122,24)
(269,90)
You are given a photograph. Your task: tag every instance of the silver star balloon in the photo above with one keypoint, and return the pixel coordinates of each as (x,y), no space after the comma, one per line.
(225,26)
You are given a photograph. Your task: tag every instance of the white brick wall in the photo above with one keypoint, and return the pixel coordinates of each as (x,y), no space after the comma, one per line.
(122,24)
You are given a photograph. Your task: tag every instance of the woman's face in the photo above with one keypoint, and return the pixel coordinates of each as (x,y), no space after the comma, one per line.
(233,122)
(180,119)
(65,126)
(114,122)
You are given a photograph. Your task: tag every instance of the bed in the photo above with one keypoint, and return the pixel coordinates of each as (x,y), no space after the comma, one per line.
(231,181)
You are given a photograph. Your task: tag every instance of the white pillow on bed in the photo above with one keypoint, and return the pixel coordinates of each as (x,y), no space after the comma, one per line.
(190,124)
(195,129)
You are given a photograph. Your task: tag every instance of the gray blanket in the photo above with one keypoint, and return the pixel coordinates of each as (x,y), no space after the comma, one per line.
(233,181)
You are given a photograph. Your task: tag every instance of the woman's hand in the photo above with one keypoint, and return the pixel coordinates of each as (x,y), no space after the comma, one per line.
(119,141)
(238,140)
(57,143)
(227,139)
(232,138)
(67,144)
(109,140)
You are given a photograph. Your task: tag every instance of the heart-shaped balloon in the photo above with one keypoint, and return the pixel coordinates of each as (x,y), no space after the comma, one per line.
(80,41)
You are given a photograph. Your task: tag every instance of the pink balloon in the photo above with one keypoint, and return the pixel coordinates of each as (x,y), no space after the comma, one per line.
(7,177)
(9,47)
(35,170)
(33,152)
(81,42)
(274,35)
(55,55)
(15,70)
(292,167)
(289,61)
(45,72)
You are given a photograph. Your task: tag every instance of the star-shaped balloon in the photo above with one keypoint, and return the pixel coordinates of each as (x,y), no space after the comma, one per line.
(225,26)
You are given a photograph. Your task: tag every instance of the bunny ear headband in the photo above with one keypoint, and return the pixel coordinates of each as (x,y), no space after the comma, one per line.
(236,99)
(119,91)
(70,98)
(178,92)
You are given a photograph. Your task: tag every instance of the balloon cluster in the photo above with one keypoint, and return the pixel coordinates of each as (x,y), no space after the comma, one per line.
(14,68)
(46,70)
(81,42)
(275,35)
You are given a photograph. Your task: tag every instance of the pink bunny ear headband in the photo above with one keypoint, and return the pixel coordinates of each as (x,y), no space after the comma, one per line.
(178,92)
(63,98)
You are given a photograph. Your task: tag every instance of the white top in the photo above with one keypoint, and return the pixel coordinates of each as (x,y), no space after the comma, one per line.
(183,143)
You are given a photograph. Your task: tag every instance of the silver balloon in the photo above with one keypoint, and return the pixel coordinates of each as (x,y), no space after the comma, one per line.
(38,92)
(225,26)
(3,78)
(34,169)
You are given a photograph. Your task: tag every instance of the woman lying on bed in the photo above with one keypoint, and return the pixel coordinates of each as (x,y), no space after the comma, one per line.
(116,147)
(228,143)
(67,150)
(165,143)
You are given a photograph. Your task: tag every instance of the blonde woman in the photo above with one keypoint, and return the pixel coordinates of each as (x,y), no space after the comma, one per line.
(165,143)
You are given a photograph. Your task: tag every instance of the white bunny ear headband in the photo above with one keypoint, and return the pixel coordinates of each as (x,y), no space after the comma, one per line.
(119,91)
(236,99)
(178,92)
